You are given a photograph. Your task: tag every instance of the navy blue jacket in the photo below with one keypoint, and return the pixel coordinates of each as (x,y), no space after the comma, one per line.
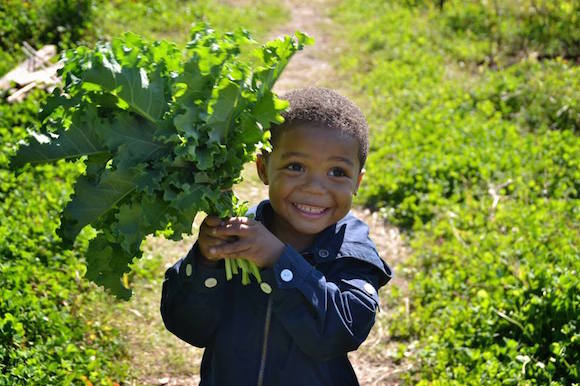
(296,327)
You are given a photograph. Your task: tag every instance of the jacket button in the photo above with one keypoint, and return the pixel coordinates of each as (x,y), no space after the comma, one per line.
(188,269)
(323,253)
(210,282)
(369,288)
(286,275)
(265,287)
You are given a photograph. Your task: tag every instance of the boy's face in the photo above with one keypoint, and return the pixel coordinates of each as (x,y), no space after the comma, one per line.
(312,174)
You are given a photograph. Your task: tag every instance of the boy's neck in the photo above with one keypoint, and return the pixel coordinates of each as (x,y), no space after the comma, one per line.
(284,231)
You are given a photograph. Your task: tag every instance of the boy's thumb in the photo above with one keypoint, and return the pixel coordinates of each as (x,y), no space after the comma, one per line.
(213,221)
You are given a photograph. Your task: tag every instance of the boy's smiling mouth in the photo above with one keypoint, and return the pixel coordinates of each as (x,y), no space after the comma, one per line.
(310,210)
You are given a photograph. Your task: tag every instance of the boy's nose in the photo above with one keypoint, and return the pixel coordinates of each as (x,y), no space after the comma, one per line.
(314,185)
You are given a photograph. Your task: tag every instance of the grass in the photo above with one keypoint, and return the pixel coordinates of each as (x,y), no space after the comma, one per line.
(152,352)
(171,19)
(462,156)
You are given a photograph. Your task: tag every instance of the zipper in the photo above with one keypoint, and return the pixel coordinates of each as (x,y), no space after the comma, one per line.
(265,343)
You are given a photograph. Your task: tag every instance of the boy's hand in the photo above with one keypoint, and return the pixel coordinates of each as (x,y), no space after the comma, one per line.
(253,241)
(207,239)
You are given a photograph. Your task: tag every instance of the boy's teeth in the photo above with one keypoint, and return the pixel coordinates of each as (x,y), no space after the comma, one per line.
(310,209)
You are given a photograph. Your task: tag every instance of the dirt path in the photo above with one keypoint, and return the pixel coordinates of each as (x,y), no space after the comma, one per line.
(312,68)
(157,357)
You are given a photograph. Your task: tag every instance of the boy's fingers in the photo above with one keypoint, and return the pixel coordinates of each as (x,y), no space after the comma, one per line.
(231,229)
(211,241)
(209,228)
(237,220)
(206,228)
(231,249)
(212,221)
(213,246)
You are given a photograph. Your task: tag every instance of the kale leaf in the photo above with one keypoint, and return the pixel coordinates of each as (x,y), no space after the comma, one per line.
(164,133)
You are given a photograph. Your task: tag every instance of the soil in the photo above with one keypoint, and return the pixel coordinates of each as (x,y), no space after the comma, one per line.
(162,358)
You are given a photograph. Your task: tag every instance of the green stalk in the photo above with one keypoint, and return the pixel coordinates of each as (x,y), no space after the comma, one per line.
(255,271)
(228,263)
(234,266)
(245,269)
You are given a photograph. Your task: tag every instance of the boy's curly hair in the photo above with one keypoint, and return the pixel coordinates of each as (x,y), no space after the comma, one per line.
(326,107)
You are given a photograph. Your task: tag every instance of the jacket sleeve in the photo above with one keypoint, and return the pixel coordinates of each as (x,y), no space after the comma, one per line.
(327,315)
(192,299)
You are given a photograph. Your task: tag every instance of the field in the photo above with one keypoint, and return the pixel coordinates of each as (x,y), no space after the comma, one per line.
(472,188)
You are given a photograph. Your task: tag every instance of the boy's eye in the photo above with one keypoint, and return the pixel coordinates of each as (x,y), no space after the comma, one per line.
(295,167)
(337,172)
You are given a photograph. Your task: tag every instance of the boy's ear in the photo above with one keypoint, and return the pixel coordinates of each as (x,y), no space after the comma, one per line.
(359,180)
(261,167)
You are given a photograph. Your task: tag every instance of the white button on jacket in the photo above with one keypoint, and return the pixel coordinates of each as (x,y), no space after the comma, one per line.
(286,275)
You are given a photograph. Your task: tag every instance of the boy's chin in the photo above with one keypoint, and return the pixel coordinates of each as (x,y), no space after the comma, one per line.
(309,229)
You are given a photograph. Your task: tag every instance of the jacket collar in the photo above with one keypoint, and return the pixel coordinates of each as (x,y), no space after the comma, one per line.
(335,242)
(326,244)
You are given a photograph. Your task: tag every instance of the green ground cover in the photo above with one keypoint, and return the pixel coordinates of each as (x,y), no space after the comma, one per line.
(474,151)
(45,334)
(54,325)
(170,19)
(39,22)
(67,23)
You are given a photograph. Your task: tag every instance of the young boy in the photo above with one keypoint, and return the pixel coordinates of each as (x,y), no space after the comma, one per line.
(320,270)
